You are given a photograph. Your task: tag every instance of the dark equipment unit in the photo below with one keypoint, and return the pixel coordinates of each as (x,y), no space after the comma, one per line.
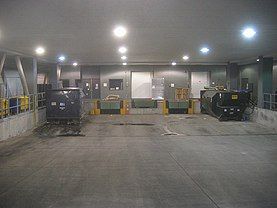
(224,105)
(64,105)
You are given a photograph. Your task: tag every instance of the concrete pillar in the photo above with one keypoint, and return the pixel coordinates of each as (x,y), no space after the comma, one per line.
(265,70)
(30,71)
(232,76)
(35,74)
(54,75)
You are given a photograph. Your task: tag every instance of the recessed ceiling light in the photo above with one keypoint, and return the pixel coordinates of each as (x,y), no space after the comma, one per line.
(75,64)
(258,60)
(186,58)
(40,50)
(124,64)
(204,50)
(173,63)
(61,58)
(248,32)
(122,49)
(120,31)
(123,57)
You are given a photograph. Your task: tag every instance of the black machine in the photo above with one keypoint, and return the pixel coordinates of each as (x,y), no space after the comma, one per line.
(64,104)
(225,105)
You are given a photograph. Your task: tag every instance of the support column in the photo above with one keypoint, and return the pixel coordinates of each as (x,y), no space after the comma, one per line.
(265,78)
(3,59)
(54,76)
(232,76)
(2,87)
(35,74)
(22,75)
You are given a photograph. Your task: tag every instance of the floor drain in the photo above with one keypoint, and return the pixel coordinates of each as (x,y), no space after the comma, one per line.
(189,117)
(71,135)
(134,124)
(170,134)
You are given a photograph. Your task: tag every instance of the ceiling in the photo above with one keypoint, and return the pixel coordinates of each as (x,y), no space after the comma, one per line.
(159,31)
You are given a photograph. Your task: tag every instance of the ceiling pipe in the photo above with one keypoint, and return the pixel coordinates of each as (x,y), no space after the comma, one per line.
(22,75)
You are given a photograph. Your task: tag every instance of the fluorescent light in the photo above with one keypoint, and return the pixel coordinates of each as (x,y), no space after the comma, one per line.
(173,63)
(122,49)
(123,57)
(204,50)
(248,32)
(40,50)
(120,31)
(124,64)
(186,58)
(75,64)
(61,58)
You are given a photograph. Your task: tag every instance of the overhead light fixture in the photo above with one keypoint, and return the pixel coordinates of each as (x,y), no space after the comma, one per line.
(205,50)
(186,58)
(258,60)
(123,57)
(75,64)
(120,31)
(173,63)
(248,33)
(61,58)
(122,49)
(40,50)
(124,64)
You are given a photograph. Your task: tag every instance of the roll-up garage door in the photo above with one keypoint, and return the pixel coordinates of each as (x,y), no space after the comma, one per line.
(141,85)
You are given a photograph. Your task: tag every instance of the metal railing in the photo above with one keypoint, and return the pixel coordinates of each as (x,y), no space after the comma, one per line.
(15,105)
(270,101)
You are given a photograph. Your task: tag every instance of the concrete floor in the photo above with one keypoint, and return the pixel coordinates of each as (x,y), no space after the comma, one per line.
(180,161)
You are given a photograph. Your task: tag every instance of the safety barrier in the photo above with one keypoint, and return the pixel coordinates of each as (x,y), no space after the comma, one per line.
(15,105)
(270,101)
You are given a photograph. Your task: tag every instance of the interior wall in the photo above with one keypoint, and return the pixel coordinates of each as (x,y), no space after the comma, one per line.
(218,77)
(177,75)
(251,72)
(71,73)
(173,75)
(115,72)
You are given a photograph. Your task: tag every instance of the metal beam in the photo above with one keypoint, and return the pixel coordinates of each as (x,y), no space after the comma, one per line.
(2,86)
(150,64)
(22,75)
(2,64)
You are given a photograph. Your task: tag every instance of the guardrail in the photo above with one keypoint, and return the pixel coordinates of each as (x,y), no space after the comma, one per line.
(15,105)
(270,101)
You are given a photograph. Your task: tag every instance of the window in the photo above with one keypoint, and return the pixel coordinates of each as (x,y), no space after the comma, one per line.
(116,84)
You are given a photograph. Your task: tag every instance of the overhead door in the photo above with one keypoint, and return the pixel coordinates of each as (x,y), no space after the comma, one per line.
(141,85)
